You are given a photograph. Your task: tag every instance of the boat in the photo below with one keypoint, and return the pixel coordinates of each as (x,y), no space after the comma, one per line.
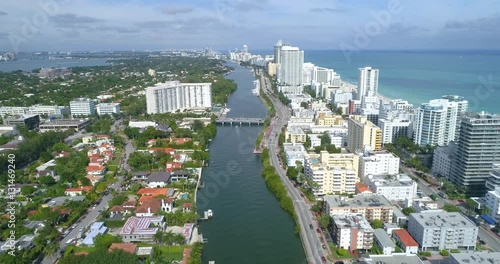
(209,213)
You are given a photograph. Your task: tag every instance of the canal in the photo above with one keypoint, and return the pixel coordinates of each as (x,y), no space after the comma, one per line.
(248,225)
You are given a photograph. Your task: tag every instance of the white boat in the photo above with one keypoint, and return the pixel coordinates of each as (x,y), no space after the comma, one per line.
(210,214)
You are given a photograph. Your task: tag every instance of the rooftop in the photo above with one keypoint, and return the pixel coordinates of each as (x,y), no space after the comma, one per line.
(483,257)
(58,201)
(442,219)
(382,237)
(394,259)
(294,130)
(63,122)
(391,181)
(357,201)
(352,221)
(141,225)
(405,237)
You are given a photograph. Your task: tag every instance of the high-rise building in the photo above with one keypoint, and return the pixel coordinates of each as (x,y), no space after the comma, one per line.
(394,128)
(478,150)
(172,96)
(82,107)
(277,52)
(367,82)
(291,66)
(435,122)
(462,106)
(245,49)
(494,180)
(442,160)
(363,133)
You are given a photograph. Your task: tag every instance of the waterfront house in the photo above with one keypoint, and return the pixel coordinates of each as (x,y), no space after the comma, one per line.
(158,179)
(177,176)
(142,229)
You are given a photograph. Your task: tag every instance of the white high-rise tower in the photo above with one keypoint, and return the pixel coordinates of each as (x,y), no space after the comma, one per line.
(291,66)
(367,83)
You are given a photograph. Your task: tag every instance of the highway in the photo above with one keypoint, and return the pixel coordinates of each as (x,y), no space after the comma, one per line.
(92,214)
(310,238)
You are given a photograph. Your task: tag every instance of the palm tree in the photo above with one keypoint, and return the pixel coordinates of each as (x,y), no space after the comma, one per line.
(51,249)
(168,237)
(179,239)
(158,237)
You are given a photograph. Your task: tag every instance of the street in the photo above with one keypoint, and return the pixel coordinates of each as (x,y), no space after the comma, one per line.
(92,214)
(310,238)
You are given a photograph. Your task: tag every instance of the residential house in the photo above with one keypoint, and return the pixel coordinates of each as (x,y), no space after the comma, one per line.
(140,175)
(96,229)
(96,170)
(187,207)
(158,179)
(119,210)
(180,141)
(62,154)
(181,158)
(152,206)
(384,242)
(172,166)
(94,179)
(142,229)
(78,191)
(405,241)
(363,189)
(177,176)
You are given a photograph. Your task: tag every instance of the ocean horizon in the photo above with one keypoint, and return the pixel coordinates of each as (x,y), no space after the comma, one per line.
(421,75)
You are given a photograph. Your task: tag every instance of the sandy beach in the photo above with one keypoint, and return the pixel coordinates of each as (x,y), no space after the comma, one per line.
(349,87)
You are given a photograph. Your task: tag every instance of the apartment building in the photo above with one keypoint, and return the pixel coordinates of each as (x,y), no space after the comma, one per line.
(377,162)
(174,96)
(363,133)
(82,107)
(372,207)
(443,230)
(352,232)
(395,188)
(295,134)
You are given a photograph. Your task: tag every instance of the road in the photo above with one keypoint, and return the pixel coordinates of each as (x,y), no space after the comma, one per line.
(92,214)
(310,238)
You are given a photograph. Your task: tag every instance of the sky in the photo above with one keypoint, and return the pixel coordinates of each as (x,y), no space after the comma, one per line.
(100,25)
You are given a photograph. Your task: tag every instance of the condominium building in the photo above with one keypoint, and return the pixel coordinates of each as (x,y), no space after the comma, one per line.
(444,230)
(333,173)
(372,207)
(82,107)
(493,203)
(436,122)
(352,232)
(108,108)
(395,188)
(367,83)
(494,180)
(294,134)
(396,109)
(294,153)
(462,107)
(475,257)
(442,160)
(478,149)
(174,96)
(363,133)
(377,163)
(290,66)
(35,110)
(394,128)
(330,120)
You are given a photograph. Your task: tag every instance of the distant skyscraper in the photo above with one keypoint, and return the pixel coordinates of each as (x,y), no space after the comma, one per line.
(172,96)
(245,49)
(367,82)
(291,66)
(477,152)
(436,122)
(277,51)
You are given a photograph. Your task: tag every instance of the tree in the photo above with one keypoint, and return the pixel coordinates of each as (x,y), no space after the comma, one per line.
(179,239)
(324,220)
(45,156)
(46,180)
(304,105)
(451,208)
(325,139)
(168,237)
(27,190)
(408,210)
(197,125)
(377,224)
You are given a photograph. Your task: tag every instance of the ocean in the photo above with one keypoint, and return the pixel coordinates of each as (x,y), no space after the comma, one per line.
(419,76)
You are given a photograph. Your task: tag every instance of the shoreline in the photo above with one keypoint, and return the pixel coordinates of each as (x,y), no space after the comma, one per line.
(350,87)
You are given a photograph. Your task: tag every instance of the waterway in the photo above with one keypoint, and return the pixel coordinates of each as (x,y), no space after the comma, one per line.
(248,225)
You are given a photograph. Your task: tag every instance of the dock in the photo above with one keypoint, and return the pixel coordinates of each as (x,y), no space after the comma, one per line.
(206,215)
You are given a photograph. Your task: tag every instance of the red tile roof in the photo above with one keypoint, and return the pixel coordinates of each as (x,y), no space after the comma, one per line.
(187,205)
(405,238)
(81,188)
(361,188)
(129,204)
(153,191)
(95,168)
(152,205)
(127,247)
(171,166)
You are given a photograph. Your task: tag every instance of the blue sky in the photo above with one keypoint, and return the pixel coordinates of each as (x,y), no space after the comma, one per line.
(28,25)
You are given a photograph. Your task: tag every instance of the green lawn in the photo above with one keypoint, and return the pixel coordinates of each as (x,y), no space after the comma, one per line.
(337,255)
(174,253)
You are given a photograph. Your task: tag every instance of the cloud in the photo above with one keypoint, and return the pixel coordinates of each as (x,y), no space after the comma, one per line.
(70,33)
(488,24)
(241,5)
(154,24)
(118,29)
(73,20)
(175,10)
(3,34)
(2,13)
(327,9)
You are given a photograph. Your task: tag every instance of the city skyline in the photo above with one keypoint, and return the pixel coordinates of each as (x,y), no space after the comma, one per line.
(88,25)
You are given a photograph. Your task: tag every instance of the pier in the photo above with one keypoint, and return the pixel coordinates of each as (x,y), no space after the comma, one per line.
(240,121)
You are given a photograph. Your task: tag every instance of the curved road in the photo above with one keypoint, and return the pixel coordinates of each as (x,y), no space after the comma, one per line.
(310,238)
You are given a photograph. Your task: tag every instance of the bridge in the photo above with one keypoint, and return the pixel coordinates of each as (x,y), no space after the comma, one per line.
(240,121)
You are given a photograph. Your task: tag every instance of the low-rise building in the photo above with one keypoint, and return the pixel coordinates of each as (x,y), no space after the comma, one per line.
(395,188)
(108,108)
(443,231)
(158,179)
(29,121)
(373,207)
(294,152)
(96,229)
(442,160)
(64,124)
(295,134)
(405,241)
(493,203)
(474,257)
(384,242)
(142,229)
(395,258)
(352,232)
(78,191)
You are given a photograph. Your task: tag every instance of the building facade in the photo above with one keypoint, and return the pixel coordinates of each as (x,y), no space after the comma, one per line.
(108,108)
(372,207)
(82,107)
(367,83)
(493,203)
(394,128)
(436,122)
(352,232)
(478,149)
(377,163)
(290,66)
(363,133)
(442,160)
(174,96)
(443,230)
(395,188)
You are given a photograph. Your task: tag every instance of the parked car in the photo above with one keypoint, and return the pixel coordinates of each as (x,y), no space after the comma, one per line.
(324,246)
(323,259)
(317,230)
(310,226)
